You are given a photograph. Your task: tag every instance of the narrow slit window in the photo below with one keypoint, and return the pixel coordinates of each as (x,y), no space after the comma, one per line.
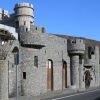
(24,22)
(17,24)
(80,60)
(24,75)
(43,30)
(89,52)
(36,61)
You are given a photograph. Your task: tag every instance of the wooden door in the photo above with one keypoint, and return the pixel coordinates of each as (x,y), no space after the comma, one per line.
(50,76)
(64,75)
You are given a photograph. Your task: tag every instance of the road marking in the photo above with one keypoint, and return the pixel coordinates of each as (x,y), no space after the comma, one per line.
(75,95)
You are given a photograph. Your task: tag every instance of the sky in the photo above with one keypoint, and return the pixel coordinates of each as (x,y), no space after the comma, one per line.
(68,17)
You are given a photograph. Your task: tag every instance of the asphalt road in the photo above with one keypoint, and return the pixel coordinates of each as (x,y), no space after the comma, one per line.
(89,95)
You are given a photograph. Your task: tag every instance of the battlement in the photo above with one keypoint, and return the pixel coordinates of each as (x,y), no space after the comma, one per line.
(32,37)
(37,29)
(24,4)
(24,15)
(3,14)
(76,46)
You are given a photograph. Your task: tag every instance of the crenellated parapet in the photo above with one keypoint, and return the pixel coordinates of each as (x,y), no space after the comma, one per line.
(30,38)
(3,14)
(24,4)
(22,9)
(76,46)
(37,29)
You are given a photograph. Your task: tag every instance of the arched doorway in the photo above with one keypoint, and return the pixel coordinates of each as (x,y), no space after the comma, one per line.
(87,78)
(12,69)
(50,75)
(64,75)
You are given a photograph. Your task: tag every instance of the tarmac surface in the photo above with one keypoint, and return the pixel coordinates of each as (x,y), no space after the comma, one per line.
(89,95)
(66,94)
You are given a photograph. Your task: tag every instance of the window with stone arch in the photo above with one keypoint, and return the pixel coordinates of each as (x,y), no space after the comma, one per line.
(15,52)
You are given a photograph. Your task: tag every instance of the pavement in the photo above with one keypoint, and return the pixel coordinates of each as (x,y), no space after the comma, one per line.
(54,94)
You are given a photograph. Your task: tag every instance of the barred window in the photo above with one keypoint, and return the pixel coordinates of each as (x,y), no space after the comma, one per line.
(36,61)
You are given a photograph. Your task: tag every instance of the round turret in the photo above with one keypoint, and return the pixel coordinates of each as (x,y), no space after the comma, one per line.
(76,46)
(24,15)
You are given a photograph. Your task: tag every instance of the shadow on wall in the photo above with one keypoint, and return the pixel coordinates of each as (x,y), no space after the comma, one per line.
(97,98)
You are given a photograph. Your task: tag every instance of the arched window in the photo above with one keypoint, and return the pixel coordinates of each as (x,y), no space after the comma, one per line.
(16,55)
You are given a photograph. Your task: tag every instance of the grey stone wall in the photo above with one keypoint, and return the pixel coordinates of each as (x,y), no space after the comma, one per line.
(12,70)
(55,49)
(81,75)
(94,63)
(97,65)
(3,80)
(34,41)
(30,85)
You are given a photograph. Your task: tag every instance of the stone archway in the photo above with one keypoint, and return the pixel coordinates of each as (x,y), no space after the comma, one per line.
(87,78)
(13,61)
(64,74)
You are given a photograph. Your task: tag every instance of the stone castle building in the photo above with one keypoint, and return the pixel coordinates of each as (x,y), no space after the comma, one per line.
(46,62)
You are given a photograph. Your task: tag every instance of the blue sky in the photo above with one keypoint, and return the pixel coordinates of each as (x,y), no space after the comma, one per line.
(69,17)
